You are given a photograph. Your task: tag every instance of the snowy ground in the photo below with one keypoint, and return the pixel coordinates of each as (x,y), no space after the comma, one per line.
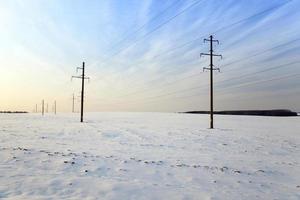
(149,156)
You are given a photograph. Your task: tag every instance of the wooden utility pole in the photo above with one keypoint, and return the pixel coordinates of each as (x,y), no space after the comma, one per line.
(82,77)
(43,107)
(55,107)
(211,68)
(82,93)
(73,103)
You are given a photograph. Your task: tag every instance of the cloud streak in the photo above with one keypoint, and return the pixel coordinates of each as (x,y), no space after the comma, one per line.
(139,50)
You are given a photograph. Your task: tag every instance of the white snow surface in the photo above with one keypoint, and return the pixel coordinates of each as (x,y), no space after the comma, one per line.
(149,156)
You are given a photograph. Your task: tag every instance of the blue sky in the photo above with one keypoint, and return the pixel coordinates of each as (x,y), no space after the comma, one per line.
(144,55)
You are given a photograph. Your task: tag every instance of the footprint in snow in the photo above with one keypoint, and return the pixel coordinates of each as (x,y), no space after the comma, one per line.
(73,163)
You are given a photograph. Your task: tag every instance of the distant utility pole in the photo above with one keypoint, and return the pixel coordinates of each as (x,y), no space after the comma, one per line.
(55,107)
(73,103)
(43,107)
(211,68)
(82,77)
(36,108)
(47,108)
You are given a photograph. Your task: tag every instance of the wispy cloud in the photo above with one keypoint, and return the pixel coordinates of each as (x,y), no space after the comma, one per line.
(136,51)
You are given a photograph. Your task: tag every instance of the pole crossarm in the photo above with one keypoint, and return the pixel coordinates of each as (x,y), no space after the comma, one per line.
(211,40)
(78,68)
(208,54)
(214,69)
(80,77)
(204,54)
(218,55)
(76,77)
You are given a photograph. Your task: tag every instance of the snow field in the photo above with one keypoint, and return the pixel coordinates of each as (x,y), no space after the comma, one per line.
(149,156)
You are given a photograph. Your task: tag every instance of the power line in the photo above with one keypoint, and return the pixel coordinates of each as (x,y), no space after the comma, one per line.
(224,27)
(262,52)
(156,28)
(162,54)
(221,29)
(268,80)
(145,24)
(141,27)
(253,16)
(254,83)
(217,83)
(142,90)
(261,71)
(249,84)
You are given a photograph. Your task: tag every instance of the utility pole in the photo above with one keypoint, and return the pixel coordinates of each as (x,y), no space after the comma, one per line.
(36,108)
(73,103)
(47,108)
(82,77)
(43,107)
(211,68)
(55,107)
